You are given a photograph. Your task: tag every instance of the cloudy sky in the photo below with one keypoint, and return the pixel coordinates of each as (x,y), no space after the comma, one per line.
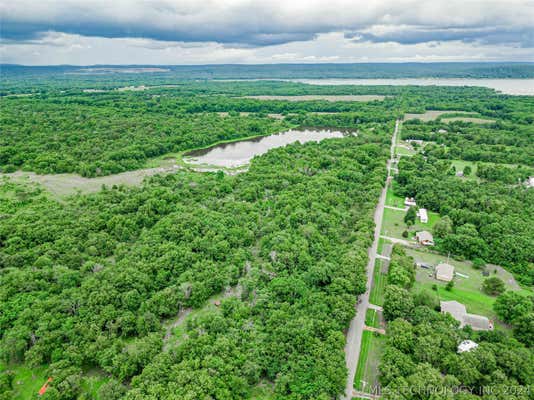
(84,32)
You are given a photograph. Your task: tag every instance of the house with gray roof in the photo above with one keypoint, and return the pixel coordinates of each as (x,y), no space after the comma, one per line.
(459,313)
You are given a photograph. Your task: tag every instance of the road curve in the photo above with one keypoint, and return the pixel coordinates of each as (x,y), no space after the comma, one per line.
(355,332)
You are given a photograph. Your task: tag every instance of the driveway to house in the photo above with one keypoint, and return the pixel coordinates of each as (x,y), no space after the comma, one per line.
(355,332)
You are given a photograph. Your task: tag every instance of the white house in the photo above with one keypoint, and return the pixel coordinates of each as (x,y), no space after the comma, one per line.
(444,272)
(423,215)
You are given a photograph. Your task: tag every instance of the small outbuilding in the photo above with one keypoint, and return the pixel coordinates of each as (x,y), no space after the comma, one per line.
(423,215)
(467,345)
(409,201)
(444,272)
(425,238)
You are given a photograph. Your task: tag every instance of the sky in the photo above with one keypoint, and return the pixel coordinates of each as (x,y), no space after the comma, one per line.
(165,32)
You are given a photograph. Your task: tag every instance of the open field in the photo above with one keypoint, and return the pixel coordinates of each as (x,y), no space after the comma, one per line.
(466,290)
(404,149)
(461,164)
(61,185)
(394,200)
(319,97)
(394,225)
(473,120)
(367,373)
(431,115)
(246,114)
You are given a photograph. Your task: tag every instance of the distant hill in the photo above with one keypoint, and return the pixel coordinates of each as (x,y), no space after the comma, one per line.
(287,71)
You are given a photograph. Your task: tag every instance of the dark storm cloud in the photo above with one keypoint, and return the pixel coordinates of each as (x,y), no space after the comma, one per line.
(271,22)
(415,35)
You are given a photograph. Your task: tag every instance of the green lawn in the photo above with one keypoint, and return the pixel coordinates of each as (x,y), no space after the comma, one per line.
(393,223)
(403,151)
(466,290)
(27,381)
(362,361)
(394,200)
(372,319)
(379,285)
(461,164)
(370,354)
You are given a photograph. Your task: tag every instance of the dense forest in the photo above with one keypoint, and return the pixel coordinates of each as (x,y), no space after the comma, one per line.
(210,285)
(90,282)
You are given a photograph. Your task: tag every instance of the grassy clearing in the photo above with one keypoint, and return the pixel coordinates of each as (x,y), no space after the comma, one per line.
(404,151)
(371,352)
(27,381)
(393,223)
(431,115)
(466,290)
(394,200)
(473,120)
(379,285)
(319,97)
(460,165)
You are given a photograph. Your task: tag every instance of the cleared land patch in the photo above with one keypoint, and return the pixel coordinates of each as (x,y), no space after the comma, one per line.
(319,97)
(66,184)
(468,119)
(394,225)
(466,290)
(431,115)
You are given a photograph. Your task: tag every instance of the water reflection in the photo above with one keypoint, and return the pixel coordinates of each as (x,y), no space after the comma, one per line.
(236,154)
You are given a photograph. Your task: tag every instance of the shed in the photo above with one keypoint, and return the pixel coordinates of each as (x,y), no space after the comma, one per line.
(409,201)
(425,238)
(444,272)
(423,215)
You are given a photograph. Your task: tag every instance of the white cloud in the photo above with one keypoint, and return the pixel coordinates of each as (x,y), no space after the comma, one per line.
(190,31)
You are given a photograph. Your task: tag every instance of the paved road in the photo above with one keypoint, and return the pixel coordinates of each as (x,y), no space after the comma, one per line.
(355,332)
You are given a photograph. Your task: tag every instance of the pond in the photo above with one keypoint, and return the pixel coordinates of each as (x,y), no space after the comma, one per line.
(238,154)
